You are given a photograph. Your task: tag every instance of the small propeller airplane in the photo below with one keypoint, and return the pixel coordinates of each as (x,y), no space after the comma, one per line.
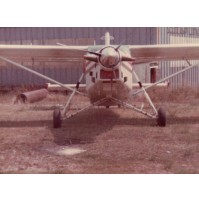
(107,70)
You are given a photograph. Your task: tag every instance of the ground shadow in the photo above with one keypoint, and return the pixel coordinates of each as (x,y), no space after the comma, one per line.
(83,128)
(144,122)
(86,126)
(25,124)
(183,120)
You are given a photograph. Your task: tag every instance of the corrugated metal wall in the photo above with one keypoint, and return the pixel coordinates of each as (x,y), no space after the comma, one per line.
(132,35)
(179,35)
(70,72)
(63,72)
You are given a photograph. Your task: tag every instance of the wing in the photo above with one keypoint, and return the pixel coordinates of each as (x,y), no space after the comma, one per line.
(43,53)
(147,53)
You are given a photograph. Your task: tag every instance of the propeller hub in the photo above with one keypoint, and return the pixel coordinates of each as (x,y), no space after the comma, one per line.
(110,57)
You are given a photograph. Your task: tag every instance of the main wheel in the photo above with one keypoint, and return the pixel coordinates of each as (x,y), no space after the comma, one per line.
(161,119)
(57,118)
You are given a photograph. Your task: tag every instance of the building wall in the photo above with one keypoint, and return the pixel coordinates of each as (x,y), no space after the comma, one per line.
(63,72)
(132,35)
(179,35)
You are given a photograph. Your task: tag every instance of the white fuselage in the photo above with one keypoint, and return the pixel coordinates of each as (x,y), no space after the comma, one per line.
(109,72)
(103,83)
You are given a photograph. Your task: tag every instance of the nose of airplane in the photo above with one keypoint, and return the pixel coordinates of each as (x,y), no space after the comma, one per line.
(109,58)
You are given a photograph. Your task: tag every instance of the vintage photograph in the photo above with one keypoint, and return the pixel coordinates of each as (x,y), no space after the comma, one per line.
(102,100)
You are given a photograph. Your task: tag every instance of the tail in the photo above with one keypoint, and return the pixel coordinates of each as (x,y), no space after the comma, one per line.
(107,37)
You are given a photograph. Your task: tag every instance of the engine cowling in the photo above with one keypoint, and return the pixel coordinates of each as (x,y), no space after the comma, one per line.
(110,57)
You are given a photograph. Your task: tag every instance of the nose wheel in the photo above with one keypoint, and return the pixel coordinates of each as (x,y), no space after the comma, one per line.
(57,118)
(161,117)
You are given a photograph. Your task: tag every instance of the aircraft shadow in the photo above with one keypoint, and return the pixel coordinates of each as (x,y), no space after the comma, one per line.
(86,126)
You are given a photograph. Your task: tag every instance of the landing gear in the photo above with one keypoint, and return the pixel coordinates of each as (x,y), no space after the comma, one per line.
(161,117)
(159,114)
(57,118)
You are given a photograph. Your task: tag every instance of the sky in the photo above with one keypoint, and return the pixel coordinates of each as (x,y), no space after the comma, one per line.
(125,13)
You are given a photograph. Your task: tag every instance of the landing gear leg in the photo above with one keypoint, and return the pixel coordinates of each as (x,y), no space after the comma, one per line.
(160,114)
(57,117)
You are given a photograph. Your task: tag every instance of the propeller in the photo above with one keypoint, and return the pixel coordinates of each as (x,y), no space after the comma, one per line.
(109,56)
(102,55)
(118,47)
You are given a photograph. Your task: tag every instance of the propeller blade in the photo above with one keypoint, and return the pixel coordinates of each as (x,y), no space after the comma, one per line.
(91,58)
(95,53)
(124,58)
(118,47)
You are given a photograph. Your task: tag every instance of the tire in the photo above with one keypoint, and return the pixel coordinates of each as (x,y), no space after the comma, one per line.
(57,118)
(161,119)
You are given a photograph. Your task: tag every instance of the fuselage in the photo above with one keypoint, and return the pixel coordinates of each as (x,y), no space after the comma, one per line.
(110,76)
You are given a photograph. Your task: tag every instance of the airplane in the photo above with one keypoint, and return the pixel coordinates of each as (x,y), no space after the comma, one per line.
(107,71)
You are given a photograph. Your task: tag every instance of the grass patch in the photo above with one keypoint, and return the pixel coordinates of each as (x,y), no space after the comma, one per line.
(115,140)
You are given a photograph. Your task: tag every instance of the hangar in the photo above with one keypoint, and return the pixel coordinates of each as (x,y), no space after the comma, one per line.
(69,72)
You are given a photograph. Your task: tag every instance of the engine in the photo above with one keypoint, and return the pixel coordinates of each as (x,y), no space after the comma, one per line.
(109,58)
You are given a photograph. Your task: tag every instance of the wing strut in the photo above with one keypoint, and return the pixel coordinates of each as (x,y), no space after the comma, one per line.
(38,74)
(165,79)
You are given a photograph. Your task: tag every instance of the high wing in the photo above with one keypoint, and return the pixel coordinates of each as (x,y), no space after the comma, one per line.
(142,53)
(43,52)
(14,53)
(147,53)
